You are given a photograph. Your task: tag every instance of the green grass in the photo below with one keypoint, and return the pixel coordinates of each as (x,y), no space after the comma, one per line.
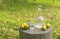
(15,13)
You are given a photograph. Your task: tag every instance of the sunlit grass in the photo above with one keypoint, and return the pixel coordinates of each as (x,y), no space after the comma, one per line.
(13,14)
(9,21)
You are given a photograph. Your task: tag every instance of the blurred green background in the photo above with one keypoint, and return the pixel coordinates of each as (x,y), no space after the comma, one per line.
(15,12)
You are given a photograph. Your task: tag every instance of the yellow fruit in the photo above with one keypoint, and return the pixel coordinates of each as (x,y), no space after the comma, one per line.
(48,25)
(26,27)
(22,26)
(25,24)
(44,28)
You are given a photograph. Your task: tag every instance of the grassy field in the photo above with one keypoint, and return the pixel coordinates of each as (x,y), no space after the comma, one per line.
(13,13)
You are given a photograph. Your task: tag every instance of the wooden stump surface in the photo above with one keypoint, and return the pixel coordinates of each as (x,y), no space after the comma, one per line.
(36,34)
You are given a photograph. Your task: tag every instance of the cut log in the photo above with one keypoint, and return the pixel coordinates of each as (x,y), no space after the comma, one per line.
(36,34)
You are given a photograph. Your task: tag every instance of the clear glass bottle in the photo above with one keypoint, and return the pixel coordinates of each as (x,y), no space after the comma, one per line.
(39,22)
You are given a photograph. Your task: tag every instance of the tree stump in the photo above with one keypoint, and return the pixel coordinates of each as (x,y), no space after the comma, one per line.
(36,34)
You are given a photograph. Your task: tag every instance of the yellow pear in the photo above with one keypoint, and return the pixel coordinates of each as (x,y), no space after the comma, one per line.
(48,25)
(26,27)
(44,27)
(25,24)
(22,26)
